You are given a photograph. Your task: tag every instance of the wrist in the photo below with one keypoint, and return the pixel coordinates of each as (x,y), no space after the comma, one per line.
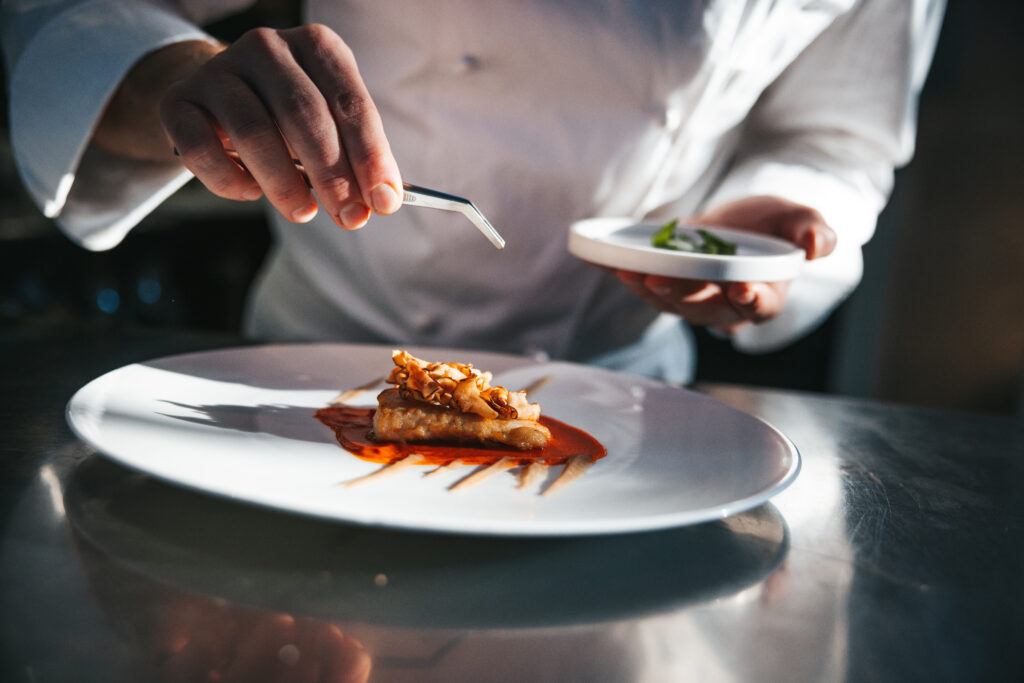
(130,125)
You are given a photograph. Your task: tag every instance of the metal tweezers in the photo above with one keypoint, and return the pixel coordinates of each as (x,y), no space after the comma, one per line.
(432,199)
(415,195)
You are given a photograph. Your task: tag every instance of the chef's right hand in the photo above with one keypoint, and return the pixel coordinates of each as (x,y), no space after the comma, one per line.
(275,95)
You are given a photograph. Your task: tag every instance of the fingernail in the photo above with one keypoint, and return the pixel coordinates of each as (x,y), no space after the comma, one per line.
(385,199)
(746,296)
(659,289)
(306,214)
(815,243)
(253,194)
(354,216)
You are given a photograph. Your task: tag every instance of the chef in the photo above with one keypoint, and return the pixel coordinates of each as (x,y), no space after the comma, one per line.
(785,118)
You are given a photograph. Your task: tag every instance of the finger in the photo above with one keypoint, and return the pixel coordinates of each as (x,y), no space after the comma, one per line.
(756,302)
(257,139)
(354,663)
(257,655)
(665,293)
(634,282)
(717,313)
(313,643)
(659,287)
(303,116)
(196,141)
(805,227)
(680,289)
(331,65)
(699,302)
(332,651)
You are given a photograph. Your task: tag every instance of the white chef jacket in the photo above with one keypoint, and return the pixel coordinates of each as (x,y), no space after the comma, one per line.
(543,112)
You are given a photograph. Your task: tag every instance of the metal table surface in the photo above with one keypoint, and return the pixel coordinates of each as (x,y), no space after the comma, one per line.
(896,555)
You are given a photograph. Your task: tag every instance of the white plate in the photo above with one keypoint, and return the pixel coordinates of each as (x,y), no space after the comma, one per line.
(239,423)
(624,243)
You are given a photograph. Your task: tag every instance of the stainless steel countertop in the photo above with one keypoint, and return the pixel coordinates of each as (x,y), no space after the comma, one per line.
(896,555)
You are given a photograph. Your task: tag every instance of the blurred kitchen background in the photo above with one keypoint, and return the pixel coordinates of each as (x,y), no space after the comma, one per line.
(938,320)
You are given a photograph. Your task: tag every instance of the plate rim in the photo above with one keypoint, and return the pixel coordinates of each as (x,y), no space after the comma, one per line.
(587,241)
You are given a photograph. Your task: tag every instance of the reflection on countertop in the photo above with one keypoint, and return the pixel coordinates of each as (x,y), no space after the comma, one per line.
(420,605)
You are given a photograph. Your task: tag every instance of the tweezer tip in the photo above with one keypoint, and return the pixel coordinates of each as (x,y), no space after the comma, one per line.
(484,226)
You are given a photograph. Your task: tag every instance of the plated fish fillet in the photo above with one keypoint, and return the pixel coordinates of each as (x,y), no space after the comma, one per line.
(454,402)
(399,419)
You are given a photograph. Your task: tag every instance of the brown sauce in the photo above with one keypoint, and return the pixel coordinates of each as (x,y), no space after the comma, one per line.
(352,426)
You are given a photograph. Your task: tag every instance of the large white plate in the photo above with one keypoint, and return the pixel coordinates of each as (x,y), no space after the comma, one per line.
(624,243)
(239,423)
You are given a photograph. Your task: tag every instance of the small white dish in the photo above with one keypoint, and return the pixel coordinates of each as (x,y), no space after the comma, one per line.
(624,243)
(239,423)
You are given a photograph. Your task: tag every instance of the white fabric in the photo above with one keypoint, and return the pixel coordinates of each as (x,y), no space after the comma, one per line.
(66,64)
(543,113)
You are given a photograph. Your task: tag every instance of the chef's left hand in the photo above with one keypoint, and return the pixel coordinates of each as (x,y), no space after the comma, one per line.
(728,306)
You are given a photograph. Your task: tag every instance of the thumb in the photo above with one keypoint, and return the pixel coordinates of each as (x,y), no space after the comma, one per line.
(808,230)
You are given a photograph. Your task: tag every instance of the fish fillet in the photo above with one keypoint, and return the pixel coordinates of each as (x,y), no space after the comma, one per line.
(399,419)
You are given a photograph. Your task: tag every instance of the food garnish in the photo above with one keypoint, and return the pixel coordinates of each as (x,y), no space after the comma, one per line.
(667,237)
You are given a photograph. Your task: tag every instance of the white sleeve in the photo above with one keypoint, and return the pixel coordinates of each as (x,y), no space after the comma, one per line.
(64,64)
(828,134)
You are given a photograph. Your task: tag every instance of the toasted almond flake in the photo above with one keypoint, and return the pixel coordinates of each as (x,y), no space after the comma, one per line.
(447,467)
(387,470)
(574,469)
(532,473)
(536,384)
(349,394)
(499,465)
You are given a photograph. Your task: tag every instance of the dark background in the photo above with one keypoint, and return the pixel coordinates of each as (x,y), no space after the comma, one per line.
(938,320)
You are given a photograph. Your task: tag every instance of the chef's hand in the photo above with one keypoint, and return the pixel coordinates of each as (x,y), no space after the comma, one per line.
(728,306)
(271,96)
(197,640)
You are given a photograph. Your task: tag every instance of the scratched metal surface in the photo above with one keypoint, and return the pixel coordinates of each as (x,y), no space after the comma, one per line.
(896,555)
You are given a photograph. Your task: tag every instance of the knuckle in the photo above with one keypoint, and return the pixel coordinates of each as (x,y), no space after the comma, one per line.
(802,216)
(323,44)
(221,185)
(321,34)
(349,106)
(303,107)
(217,178)
(205,162)
(262,38)
(192,144)
(172,99)
(170,111)
(334,185)
(251,131)
(371,157)
(235,95)
(290,193)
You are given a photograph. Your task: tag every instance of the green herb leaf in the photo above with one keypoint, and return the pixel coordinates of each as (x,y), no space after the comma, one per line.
(682,243)
(716,245)
(664,235)
(666,238)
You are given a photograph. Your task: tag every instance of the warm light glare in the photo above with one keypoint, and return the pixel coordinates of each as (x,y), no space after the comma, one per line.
(52,483)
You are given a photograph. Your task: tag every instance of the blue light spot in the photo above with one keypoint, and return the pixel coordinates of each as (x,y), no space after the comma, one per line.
(108,300)
(149,291)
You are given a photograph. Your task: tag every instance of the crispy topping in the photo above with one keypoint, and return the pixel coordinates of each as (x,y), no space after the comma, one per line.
(458,386)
